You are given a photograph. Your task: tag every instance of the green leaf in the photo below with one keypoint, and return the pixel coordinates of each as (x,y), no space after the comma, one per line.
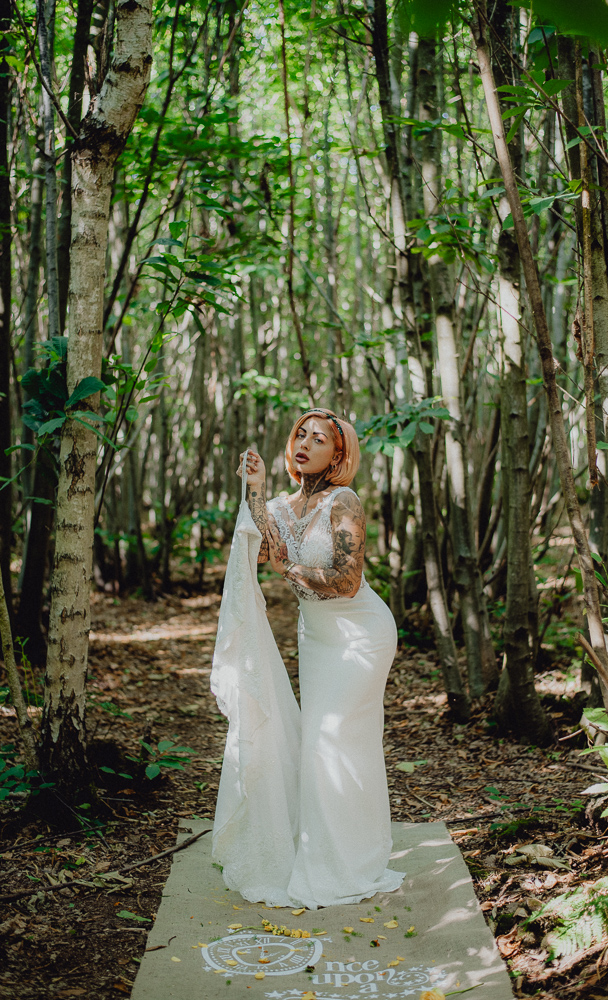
(514,127)
(85,388)
(177,228)
(165,745)
(584,19)
(19,447)
(598,716)
(553,87)
(127,915)
(602,445)
(426,427)
(52,425)
(152,771)
(409,766)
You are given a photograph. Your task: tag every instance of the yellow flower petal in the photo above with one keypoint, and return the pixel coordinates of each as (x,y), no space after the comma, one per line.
(393,963)
(231,961)
(234,927)
(318,933)
(297,913)
(432,995)
(309,996)
(366,920)
(259,975)
(348,930)
(263,961)
(236,907)
(200,945)
(391,924)
(174,959)
(381,937)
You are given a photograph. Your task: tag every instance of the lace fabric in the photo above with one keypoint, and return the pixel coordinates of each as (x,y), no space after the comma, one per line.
(309,539)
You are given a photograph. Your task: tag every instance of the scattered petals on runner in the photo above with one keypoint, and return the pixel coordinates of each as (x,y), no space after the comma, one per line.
(391,924)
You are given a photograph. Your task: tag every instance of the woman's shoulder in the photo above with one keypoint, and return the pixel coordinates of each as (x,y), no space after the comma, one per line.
(345,498)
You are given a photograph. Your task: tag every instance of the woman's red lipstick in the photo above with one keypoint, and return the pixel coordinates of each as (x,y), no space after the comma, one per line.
(300,457)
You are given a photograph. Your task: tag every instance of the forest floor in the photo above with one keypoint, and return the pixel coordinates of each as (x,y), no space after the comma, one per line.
(149,678)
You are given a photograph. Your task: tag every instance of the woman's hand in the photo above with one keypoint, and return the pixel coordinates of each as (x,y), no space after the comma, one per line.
(256,470)
(277,549)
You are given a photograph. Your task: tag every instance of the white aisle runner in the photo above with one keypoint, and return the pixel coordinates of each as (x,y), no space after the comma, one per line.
(210,943)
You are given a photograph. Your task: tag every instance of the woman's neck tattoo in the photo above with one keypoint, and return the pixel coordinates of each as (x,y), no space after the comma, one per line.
(312,484)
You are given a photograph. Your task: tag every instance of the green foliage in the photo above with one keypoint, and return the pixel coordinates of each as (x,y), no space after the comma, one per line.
(266,389)
(208,521)
(15,779)
(165,754)
(578,919)
(425,17)
(589,19)
(398,429)
(45,410)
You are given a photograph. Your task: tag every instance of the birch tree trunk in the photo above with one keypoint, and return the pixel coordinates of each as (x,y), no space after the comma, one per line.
(102,137)
(531,275)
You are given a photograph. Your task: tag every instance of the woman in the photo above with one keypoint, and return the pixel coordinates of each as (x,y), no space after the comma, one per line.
(315,539)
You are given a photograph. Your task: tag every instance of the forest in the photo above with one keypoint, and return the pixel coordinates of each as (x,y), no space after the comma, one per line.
(214,216)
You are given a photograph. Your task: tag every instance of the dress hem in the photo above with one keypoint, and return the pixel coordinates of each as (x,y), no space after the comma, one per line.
(390,881)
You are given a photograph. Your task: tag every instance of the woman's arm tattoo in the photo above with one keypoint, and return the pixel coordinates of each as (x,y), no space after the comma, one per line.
(256,498)
(343,578)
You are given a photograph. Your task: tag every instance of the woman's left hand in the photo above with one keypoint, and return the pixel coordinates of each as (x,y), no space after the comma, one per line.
(277,550)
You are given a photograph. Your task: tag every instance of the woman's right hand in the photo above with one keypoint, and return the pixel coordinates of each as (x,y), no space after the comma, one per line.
(256,470)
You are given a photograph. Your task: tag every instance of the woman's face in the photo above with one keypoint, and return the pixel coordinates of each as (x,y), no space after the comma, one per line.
(314,447)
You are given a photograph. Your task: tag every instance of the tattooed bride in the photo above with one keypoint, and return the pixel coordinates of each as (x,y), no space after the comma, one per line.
(315,538)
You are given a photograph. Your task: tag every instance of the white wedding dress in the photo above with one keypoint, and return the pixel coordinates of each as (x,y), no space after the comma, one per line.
(302,814)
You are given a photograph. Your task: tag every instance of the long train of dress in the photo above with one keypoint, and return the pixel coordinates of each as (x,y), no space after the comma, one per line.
(302,815)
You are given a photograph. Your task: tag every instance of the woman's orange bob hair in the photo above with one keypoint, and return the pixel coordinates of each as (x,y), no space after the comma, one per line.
(346,444)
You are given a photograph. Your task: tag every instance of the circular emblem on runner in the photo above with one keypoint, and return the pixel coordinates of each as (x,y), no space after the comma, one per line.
(248,953)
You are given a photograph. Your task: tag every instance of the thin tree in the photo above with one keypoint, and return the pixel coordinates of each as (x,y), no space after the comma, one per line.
(102,138)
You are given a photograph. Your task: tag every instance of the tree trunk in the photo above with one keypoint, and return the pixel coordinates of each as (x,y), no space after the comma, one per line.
(74,114)
(517,703)
(28,623)
(480,660)
(457,697)
(46,32)
(102,137)
(6,518)
(531,275)
(30,318)
(8,655)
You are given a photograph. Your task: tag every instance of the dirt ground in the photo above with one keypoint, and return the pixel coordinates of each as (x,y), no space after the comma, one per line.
(77,931)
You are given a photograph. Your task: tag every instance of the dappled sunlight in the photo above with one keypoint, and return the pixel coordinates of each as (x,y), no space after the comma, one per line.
(458,915)
(154,634)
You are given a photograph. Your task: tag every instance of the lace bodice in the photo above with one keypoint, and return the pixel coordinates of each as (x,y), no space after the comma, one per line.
(309,539)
